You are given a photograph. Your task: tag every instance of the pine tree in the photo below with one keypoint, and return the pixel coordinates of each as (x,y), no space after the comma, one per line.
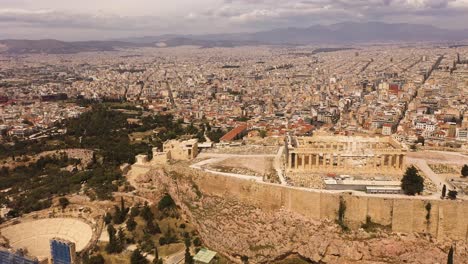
(152,228)
(450,256)
(412,183)
(138,258)
(98,259)
(131,224)
(146,213)
(444,191)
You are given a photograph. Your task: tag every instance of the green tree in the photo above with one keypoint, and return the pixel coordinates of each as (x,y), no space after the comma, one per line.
(107,218)
(197,242)
(131,224)
(64,202)
(121,239)
(421,140)
(114,245)
(166,202)
(146,213)
(120,212)
(156,255)
(262,133)
(452,195)
(138,258)
(135,211)
(412,183)
(215,135)
(444,191)
(98,259)
(152,228)
(245,259)
(188,256)
(464,171)
(450,256)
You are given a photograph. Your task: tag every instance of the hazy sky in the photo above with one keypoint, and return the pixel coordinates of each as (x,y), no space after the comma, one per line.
(104,19)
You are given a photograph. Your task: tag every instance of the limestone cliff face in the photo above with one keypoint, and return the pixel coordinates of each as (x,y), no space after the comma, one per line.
(234,228)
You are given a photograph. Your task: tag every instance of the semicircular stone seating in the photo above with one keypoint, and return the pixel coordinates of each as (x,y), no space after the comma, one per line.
(35,235)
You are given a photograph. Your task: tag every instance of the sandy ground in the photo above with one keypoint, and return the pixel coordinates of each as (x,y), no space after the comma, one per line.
(245,150)
(440,157)
(259,165)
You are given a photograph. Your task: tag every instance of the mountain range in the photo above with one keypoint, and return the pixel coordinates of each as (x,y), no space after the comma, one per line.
(337,34)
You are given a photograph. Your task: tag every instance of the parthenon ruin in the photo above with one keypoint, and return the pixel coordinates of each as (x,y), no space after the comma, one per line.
(345,154)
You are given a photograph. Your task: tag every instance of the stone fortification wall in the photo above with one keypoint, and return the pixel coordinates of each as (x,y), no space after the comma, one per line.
(444,220)
(266,222)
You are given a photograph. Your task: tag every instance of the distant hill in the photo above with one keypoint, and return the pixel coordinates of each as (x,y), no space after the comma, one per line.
(52,46)
(340,33)
(359,33)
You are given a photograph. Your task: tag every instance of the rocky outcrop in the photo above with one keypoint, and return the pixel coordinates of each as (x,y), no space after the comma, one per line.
(236,228)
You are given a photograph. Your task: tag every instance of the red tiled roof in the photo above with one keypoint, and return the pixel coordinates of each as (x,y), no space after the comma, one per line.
(233,133)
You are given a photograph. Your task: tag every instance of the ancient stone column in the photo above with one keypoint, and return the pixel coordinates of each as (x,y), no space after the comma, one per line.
(290,160)
(303,161)
(296,161)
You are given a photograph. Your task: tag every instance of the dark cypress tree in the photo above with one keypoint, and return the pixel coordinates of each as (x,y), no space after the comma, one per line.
(444,191)
(156,256)
(113,245)
(450,256)
(122,205)
(107,218)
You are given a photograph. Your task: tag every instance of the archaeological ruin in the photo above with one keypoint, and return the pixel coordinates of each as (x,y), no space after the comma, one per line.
(344,154)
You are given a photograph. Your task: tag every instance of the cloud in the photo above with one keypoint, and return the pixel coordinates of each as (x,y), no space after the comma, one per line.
(153,17)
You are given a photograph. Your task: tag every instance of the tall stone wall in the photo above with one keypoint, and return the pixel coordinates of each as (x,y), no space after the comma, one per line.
(446,220)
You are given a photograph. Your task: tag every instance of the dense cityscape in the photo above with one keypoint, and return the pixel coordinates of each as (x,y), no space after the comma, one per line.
(233,131)
(407,92)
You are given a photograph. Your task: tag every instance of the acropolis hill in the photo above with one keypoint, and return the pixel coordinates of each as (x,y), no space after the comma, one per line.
(265,221)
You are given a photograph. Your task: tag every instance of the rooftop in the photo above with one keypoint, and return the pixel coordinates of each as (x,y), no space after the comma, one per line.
(204,255)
